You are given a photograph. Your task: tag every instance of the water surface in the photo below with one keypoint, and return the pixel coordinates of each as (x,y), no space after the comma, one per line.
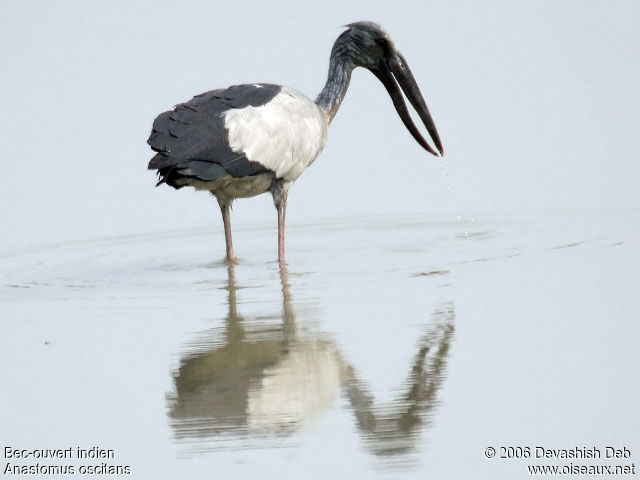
(393,347)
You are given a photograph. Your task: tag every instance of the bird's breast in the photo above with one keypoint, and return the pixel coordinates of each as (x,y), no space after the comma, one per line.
(285,135)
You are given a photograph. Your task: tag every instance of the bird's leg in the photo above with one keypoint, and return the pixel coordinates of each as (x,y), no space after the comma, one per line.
(280,192)
(282,210)
(225,208)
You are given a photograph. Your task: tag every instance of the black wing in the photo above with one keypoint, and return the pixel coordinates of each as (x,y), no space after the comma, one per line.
(191,140)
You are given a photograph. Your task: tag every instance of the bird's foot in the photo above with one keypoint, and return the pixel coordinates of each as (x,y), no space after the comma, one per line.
(230,260)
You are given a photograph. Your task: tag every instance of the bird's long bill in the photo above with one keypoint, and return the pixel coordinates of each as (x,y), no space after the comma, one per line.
(397,72)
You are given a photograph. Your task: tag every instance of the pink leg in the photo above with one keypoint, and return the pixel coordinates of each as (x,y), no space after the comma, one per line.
(280,192)
(226,220)
(282,210)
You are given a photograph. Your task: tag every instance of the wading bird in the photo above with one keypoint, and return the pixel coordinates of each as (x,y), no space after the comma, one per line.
(255,138)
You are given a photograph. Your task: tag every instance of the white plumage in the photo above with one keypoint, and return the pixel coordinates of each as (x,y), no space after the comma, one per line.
(285,135)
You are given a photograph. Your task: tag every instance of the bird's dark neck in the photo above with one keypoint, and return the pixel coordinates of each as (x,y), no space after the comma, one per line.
(340,68)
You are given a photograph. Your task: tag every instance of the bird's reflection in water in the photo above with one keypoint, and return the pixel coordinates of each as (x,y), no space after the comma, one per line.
(392,428)
(262,379)
(272,379)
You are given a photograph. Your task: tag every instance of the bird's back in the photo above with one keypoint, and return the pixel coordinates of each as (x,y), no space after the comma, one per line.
(240,131)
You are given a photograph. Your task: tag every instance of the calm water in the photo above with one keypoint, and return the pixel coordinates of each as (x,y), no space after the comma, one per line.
(399,348)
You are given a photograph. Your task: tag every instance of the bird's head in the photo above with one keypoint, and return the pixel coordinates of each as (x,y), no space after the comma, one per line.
(368,45)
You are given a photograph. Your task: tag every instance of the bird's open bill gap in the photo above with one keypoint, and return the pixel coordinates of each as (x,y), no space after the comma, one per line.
(396,71)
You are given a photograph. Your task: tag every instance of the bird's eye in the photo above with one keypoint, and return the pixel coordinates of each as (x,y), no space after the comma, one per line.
(384,45)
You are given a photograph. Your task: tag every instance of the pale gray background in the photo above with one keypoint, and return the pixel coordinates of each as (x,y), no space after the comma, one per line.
(536,103)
